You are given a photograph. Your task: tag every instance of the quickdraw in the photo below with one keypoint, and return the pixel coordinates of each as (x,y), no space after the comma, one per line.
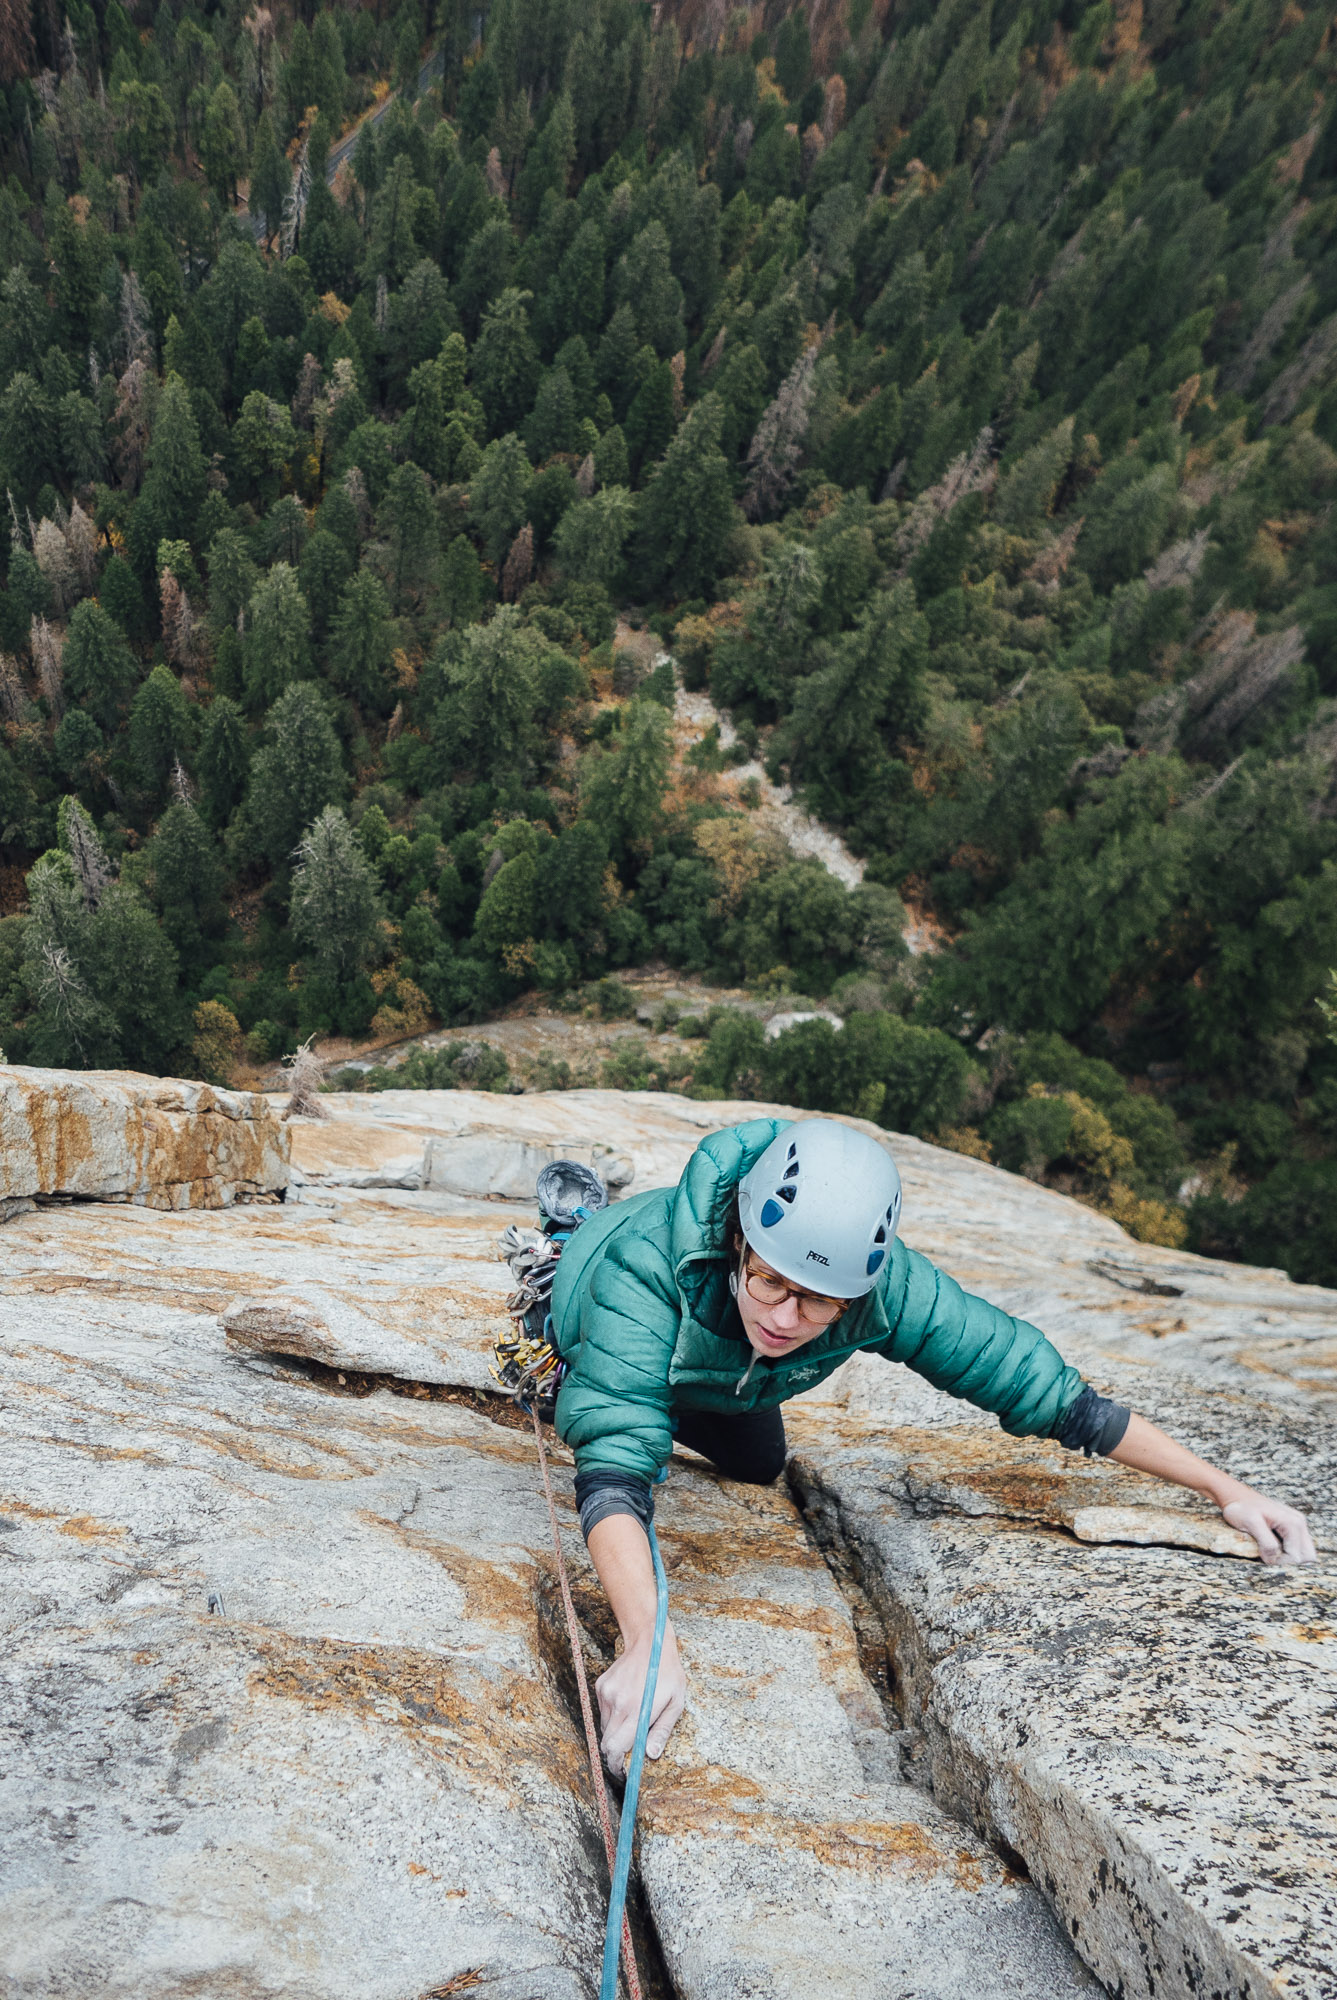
(527,1366)
(524,1362)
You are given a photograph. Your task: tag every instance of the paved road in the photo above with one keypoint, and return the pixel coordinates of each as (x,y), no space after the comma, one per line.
(342,149)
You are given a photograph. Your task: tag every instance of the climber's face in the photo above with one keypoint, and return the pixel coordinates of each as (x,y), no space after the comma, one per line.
(777,1316)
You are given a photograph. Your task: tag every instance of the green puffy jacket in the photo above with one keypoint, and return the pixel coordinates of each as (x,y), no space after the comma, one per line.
(643,1316)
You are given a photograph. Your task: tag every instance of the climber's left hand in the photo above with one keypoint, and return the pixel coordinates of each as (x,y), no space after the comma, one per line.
(1282,1533)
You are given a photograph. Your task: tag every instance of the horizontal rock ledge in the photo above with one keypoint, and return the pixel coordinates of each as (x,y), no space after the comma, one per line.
(113,1135)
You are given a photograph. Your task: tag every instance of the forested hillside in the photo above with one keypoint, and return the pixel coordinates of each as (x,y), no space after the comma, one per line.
(951,389)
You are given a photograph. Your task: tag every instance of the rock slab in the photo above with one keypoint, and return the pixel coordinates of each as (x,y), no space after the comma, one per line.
(287,1709)
(287,1706)
(156,1142)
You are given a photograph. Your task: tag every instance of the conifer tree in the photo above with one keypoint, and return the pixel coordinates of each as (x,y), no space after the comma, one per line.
(644,282)
(487,713)
(185,875)
(175,483)
(362,643)
(651,419)
(591,535)
(505,361)
(270,178)
(222,142)
(98,666)
(1026,493)
(406,547)
(335,909)
(224,760)
(622,786)
(499,495)
(162,729)
(297,773)
(278,635)
(688,511)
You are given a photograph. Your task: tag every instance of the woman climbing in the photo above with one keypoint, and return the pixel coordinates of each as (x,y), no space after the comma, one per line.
(693,1312)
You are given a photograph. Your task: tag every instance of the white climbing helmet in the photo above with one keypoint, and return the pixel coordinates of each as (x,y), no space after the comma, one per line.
(821,1206)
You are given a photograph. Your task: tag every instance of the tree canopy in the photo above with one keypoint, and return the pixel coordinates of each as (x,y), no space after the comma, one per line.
(948,394)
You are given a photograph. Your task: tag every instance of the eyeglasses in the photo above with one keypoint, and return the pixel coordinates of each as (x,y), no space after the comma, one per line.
(769,1289)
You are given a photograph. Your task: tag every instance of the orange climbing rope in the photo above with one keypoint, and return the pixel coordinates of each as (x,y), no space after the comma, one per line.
(582,1687)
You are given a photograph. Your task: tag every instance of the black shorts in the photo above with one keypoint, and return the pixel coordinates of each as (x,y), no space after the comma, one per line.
(749,1446)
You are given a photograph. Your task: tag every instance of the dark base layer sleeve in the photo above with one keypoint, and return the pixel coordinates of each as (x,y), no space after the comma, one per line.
(599,1494)
(1093,1424)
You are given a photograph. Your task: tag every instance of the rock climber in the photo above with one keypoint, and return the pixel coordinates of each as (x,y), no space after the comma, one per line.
(693,1312)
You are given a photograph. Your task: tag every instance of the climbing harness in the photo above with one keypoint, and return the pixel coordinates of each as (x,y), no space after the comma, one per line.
(527,1366)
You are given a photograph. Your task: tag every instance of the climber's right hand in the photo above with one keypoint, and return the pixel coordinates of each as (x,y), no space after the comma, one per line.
(619,1691)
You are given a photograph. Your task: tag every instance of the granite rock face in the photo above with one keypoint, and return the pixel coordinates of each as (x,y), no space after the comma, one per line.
(114,1136)
(288,1708)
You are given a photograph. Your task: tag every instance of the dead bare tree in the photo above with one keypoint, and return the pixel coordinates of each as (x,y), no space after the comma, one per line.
(305,1077)
(294,202)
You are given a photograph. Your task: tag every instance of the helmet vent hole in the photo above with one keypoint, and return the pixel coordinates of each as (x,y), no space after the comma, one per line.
(785,1193)
(791,1171)
(881,1235)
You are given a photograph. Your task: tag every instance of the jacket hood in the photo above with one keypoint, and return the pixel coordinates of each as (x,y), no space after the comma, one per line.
(702,1202)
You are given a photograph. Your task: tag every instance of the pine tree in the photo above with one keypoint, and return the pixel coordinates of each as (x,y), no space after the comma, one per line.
(612,464)
(99,668)
(270,178)
(505,361)
(232,578)
(462,582)
(278,636)
(329,75)
(362,643)
(186,884)
(550,160)
(222,142)
(162,729)
(551,426)
(293,778)
(406,548)
(687,511)
(101,973)
(486,715)
(393,248)
(77,741)
(322,573)
(175,484)
(616,364)
(335,909)
(622,786)
(650,420)
(573,303)
(591,535)
(224,761)
(1026,493)
(644,281)
(499,495)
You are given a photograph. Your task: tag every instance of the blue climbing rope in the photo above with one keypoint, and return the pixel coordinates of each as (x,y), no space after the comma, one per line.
(622,1866)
